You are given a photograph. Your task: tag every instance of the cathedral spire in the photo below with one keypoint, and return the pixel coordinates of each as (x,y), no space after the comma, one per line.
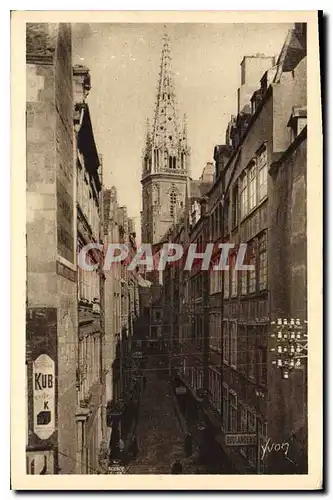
(166,149)
(165,130)
(166,158)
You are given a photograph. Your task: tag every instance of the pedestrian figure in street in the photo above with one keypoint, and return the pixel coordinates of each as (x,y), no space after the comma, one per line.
(188,445)
(134,447)
(144,380)
(177,468)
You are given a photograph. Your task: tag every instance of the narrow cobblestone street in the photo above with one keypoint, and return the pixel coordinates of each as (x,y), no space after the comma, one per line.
(159,434)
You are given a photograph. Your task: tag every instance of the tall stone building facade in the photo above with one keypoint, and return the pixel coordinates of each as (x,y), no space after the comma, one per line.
(65,344)
(90,413)
(121,312)
(165,159)
(242,360)
(52,319)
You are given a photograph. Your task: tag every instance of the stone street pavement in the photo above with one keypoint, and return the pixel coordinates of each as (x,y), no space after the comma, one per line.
(159,434)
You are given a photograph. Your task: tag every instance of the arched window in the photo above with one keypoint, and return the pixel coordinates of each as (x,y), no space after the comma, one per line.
(173,203)
(172,162)
(156,158)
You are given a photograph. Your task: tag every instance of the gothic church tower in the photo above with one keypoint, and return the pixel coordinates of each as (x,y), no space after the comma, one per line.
(165,159)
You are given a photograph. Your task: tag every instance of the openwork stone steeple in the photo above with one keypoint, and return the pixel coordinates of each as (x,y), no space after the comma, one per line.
(165,158)
(166,144)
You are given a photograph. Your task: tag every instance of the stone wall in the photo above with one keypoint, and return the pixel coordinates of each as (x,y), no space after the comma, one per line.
(289,293)
(51,283)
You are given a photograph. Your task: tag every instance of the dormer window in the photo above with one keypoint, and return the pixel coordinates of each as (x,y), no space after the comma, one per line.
(297,121)
(256,99)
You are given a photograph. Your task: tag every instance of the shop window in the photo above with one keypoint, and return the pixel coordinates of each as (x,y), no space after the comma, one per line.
(225,408)
(215,389)
(251,425)
(242,424)
(262,431)
(233,411)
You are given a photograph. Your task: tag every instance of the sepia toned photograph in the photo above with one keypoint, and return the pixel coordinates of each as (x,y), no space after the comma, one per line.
(167,261)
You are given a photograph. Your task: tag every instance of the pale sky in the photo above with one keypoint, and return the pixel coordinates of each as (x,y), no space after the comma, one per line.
(124,64)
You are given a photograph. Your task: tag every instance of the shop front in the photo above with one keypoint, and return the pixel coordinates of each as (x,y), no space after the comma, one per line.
(204,427)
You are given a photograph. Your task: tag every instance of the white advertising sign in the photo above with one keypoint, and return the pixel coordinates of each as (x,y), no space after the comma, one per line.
(43,384)
(240,439)
(181,390)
